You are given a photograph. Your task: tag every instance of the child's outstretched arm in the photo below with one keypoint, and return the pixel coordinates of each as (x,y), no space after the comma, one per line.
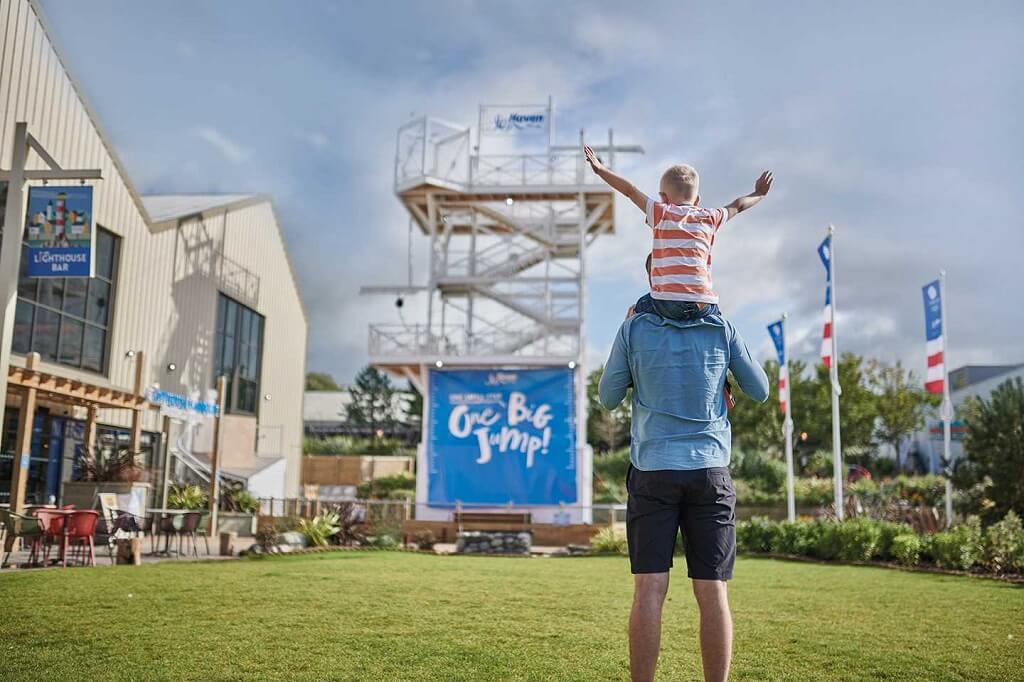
(616,181)
(761,187)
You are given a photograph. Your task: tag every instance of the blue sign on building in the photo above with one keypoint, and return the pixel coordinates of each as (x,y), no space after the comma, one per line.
(502,436)
(60,232)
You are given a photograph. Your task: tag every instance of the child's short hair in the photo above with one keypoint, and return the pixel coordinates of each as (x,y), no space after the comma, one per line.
(683,180)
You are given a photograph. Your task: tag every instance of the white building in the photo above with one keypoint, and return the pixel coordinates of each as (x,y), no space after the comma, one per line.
(201,285)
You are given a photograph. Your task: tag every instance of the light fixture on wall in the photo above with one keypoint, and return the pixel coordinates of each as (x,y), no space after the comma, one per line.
(439,364)
(267,396)
(171,367)
(130,354)
(572,364)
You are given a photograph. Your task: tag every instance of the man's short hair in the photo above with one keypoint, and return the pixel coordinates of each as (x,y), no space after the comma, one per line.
(683,180)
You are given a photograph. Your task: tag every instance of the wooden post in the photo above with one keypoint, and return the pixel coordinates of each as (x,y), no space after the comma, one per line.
(23,442)
(166,482)
(140,369)
(89,439)
(215,456)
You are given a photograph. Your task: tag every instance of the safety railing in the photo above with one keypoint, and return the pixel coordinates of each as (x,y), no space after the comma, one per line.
(391,340)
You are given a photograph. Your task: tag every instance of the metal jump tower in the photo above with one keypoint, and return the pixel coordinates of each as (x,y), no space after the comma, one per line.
(508,233)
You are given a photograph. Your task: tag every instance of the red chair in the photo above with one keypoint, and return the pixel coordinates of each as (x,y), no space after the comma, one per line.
(80,527)
(53,530)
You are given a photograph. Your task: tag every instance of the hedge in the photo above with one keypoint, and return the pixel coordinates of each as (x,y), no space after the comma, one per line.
(996,549)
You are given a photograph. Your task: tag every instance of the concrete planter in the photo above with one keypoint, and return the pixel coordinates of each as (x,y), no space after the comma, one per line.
(236,522)
(85,494)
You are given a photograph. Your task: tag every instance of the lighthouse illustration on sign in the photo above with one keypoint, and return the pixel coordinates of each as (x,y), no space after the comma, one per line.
(59,232)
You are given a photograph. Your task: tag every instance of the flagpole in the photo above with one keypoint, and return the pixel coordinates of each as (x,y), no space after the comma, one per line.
(947,404)
(787,430)
(837,455)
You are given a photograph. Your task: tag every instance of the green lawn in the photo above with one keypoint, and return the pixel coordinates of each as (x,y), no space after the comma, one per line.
(398,616)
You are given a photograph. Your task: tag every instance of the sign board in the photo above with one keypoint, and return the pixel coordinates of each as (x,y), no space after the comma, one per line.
(180,407)
(59,231)
(956,430)
(514,120)
(502,436)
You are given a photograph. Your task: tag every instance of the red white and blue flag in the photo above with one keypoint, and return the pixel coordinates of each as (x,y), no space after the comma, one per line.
(935,349)
(825,253)
(776,330)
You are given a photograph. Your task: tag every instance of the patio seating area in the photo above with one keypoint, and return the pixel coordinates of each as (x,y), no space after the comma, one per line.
(47,536)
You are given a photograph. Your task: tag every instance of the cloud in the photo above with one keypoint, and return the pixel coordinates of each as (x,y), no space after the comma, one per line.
(228,148)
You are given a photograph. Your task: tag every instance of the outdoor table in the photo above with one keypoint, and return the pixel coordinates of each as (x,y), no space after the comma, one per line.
(155,529)
(62,512)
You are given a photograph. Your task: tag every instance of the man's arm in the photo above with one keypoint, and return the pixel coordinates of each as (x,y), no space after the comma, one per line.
(749,374)
(616,181)
(740,204)
(616,377)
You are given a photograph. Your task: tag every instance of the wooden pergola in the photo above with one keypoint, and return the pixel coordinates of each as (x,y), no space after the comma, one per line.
(29,383)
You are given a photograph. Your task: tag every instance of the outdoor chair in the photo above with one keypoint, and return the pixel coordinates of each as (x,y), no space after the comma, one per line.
(181,526)
(15,526)
(204,531)
(80,528)
(52,522)
(118,524)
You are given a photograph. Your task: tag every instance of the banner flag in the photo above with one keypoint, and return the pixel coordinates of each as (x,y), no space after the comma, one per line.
(502,436)
(825,253)
(775,329)
(934,344)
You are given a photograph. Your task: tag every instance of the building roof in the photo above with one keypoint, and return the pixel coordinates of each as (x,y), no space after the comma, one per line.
(968,375)
(163,207)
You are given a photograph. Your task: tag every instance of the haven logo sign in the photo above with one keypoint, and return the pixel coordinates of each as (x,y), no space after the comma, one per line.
(499,437)
(497,120)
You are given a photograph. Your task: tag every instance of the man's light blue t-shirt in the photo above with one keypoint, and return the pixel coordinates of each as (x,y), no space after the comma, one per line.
(677,370)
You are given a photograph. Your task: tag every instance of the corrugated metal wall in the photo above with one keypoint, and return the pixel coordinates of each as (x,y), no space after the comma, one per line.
(165,301)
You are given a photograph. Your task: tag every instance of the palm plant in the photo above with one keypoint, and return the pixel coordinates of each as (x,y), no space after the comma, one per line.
(320,528)
(119,465)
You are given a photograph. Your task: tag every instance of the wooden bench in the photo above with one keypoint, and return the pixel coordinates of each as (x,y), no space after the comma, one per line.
(497,521)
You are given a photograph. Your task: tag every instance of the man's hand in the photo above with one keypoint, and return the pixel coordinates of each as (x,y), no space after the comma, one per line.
(595,163)
(763,184)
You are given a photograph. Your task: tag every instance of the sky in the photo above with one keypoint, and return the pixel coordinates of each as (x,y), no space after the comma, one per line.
(896,122)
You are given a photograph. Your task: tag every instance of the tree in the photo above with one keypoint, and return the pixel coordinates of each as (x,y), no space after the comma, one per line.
(856,407)
(900,402)
(994,449)
(320,381)
(606,429)
(414,407)
(372,401)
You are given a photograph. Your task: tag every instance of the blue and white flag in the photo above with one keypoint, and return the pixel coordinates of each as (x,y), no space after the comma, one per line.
(777,332)
(825,253)
(935,350)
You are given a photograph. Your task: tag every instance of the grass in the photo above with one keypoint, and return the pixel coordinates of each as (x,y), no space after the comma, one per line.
(398,616)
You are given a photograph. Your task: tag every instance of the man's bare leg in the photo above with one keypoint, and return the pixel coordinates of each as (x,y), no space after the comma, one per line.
(649,590)
(715,628)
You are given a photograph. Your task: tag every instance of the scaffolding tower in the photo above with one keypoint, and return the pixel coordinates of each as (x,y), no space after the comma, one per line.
(508,235)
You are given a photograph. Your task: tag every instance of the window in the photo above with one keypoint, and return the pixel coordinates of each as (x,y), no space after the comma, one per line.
(67,320)
(239,351)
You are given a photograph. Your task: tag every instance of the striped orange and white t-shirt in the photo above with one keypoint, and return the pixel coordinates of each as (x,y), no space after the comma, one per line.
(681,257)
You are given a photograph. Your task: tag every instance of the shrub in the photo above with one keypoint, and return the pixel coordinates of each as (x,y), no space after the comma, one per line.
(424,539)
(383,541)
(609,540)
(796,538)
(1004,545)
(320,528)
(762,470)
(756,535)
(187,497)
(958,548)
(889,532)
(906,548)
(266,536)
(394,486)
(815,492)
(346,445)
(828,544)
(858,539)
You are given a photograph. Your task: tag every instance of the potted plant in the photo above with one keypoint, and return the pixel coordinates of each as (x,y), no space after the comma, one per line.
(115,472)
(238,510)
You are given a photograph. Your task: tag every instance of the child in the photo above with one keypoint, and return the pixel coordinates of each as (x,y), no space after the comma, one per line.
(684,232)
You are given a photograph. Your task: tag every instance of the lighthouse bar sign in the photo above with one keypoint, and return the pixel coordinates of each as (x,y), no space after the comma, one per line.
(59,232)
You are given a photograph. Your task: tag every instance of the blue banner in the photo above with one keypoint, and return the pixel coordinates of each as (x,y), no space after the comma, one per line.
(502,436)
(59,231)
(775,330)
(825,254)
(932,294)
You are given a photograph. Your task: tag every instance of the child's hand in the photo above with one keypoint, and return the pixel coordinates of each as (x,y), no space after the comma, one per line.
(595,163)
(763,184)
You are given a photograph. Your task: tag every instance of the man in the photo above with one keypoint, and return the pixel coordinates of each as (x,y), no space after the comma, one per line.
(678,476)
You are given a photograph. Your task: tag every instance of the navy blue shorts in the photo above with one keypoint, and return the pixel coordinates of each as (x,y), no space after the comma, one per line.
(699,502)
(674,310)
